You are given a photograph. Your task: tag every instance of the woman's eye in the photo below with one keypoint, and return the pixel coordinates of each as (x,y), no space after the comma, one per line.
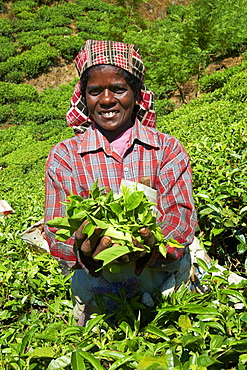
(94,92)
(119,90)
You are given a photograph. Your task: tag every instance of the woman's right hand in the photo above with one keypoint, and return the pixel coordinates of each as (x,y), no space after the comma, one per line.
(89,248)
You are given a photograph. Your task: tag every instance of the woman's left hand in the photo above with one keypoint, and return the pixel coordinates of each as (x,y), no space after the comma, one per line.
(143,258)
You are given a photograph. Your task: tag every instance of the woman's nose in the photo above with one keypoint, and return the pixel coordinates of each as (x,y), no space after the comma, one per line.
(107,98)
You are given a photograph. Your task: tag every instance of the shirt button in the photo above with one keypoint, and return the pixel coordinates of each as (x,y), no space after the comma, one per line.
(126,169)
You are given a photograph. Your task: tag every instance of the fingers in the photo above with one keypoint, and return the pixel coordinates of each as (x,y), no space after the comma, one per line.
(88,246)
(125,258)
(139,245)
(147,236)
(80,236)
(104,243)
(85,244)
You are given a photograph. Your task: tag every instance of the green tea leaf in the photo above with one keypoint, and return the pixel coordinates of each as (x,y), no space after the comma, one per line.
(184,322)
(133,200)
(89,229)
(174,243)
(116,208)
(77,362)
(91,359)
(80,215)
(202,264)
(235,294)
(120,362)
(162,249)
(153,363)
(117,235)
(116,355)
(153,330)
(41,352)
(59,222)
(111,254)
(59,363)
(101,224)
(63,234)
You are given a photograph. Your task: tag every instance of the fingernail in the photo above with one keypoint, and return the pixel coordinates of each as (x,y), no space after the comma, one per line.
(144,231)
(106,240)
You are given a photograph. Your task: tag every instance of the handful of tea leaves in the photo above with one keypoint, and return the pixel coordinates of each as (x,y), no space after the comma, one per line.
(118,216)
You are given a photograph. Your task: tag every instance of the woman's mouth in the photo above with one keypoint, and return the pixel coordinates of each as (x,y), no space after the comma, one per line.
(109,114)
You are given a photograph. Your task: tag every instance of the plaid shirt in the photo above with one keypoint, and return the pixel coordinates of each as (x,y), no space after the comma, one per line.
(74,165)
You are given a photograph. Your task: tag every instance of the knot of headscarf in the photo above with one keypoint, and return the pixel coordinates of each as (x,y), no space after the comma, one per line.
(125,56)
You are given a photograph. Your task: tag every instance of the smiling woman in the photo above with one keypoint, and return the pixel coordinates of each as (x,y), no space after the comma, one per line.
(110,100)
(113,114)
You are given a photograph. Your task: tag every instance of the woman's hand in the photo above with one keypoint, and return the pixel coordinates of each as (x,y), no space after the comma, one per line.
(145,259)
(89,248)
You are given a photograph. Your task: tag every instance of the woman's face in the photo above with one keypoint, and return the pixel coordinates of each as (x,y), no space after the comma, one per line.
(110,100)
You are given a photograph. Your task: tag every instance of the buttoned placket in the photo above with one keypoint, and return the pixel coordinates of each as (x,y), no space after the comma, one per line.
(121,160)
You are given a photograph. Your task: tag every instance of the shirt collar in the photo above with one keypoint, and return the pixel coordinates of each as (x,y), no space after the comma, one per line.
(144,134)
(93,140)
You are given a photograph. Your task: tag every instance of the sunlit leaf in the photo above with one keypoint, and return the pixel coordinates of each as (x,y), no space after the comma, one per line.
(60,363)
(91,359)
(42,352)
(134,200)
(77,362)
(152,363)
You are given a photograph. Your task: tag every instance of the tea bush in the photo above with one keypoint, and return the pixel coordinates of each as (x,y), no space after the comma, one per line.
(4,113)
(29,39)
(23,6)
(52,16)
(3,7)
(7,48)
(211,82)
(67,46)
(13,93)
(213,129)
(31,62)
(6,27)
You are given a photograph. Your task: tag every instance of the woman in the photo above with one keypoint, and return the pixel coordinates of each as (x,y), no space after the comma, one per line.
(114,112)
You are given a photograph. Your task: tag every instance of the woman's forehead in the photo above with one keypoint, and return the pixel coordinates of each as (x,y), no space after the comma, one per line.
(108,72)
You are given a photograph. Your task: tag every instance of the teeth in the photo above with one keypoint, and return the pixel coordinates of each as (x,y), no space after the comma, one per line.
(108,114)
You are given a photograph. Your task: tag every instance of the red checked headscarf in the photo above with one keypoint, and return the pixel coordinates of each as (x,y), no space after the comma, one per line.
(117,54)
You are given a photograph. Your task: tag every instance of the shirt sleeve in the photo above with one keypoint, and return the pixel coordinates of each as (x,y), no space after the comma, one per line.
(175,200)
(59,184)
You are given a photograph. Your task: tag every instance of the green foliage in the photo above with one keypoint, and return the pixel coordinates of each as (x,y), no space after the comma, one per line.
(35,111)
(13,93)
(3,7)
(171,59)
(45,17)
(185,329)
(216,80)
(7,48)
(31,62)
(28,39)
(4,113)
(23,6)
(68,46)
(180,45)
(213,129)
(6,27)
